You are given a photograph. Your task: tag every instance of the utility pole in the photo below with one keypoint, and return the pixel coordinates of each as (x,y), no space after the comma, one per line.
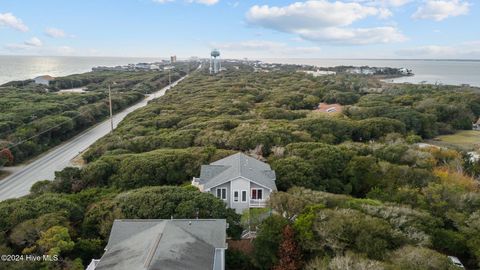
(110,105)
(169,78)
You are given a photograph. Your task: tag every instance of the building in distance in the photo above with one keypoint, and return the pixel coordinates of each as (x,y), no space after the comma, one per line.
(317,73)
(45,79)
(133,67)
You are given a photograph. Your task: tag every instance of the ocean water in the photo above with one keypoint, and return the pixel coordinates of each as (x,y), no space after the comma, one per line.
(452,72)
(28,67)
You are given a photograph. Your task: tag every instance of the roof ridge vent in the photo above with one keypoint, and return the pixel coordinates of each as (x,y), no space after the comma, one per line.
(151,252)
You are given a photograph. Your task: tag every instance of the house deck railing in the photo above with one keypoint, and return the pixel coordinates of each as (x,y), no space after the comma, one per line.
(247,234)
(258,203)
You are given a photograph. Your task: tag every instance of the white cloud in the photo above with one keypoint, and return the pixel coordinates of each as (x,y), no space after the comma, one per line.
(34,42)
(262,48)
(55,32)
(16,47)
(466,50)
(65,50)
(430,50)
(309,14)
(204,2)
(8,19)
(385,3)
(250,45)
(326,22)
(354,36)
(395,3)
(439,10)
(34,46)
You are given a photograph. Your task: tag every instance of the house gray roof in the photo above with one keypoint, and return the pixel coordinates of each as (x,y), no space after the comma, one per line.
(44,77)
(237,165)
(164,244)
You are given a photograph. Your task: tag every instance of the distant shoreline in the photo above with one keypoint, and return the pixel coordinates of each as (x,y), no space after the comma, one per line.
(432,71)
(377,59)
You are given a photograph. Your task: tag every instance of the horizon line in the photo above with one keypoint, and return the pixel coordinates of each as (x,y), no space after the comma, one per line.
(242,58)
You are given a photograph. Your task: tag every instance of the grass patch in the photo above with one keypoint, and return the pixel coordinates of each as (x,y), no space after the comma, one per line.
(465,139)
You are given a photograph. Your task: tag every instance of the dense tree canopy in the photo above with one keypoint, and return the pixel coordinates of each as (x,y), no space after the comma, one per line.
(355,190)
(27,109)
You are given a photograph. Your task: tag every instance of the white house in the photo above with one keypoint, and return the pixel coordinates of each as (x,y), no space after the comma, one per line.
(361,70)
(476,125)
(45,79)
(143,66)
(241,181)
(154,67)
(318,72)
(474,156)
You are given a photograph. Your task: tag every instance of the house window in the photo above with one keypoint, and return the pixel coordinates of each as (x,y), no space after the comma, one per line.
(222,193)
(235,196)
(244,195)
(257,194)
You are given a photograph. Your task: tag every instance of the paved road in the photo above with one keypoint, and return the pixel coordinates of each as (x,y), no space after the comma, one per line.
(22,178)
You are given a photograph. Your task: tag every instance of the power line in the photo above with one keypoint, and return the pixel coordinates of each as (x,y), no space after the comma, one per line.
(45,131)
(13,145)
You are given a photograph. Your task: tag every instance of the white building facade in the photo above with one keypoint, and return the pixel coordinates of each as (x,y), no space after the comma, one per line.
(242,182)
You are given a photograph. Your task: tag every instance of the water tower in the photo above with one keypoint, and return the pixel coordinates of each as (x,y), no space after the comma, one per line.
(215,64)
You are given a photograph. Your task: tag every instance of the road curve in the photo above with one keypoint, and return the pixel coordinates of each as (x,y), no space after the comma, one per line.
(44,167)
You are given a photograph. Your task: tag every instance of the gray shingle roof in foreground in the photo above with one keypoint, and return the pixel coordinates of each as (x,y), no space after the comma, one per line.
(163,244)
(237,165)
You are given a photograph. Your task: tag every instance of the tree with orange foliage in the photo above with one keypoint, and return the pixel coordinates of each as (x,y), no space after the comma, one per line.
(456,179)
(6,157)
(289,253)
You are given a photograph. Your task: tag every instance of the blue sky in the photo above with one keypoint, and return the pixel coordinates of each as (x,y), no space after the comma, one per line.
(244,28)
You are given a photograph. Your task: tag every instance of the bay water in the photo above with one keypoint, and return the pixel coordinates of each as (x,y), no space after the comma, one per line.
(454,72)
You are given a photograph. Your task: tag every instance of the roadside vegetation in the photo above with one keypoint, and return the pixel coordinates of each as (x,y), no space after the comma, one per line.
(34,118)
(355,190)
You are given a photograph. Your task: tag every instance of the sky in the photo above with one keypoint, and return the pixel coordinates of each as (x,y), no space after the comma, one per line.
(397,29)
